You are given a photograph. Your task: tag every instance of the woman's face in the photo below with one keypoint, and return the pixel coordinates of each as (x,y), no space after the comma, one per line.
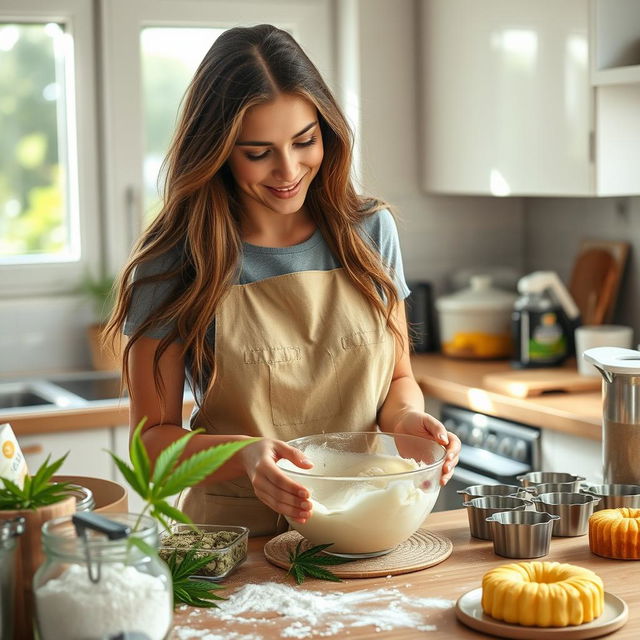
(277,155)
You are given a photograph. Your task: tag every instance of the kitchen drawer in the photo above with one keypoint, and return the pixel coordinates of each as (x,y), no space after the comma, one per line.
(87,451)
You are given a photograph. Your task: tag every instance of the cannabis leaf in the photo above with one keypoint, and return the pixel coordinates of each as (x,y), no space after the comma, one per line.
(169,475)
(311,563)
(38,490)
(197,593)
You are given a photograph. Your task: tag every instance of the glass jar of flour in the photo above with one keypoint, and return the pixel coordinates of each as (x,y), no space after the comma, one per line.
(96,584)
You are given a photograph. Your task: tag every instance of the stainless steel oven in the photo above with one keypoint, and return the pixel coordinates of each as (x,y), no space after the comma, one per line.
(494,451)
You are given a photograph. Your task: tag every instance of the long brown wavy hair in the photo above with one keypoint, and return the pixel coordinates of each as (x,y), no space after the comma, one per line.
(200,216)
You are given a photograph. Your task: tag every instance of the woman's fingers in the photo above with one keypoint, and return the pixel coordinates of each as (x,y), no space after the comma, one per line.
(283,450)
(451,458)
(435,429)
(282,501)
(280,492)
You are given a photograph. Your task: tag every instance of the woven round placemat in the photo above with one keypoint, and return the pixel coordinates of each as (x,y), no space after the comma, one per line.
(423,549)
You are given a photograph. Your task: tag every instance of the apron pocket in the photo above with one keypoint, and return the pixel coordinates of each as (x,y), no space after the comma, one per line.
(362,339)
(302,392)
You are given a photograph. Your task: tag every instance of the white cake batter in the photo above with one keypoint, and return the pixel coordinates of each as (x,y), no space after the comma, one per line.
(363,516)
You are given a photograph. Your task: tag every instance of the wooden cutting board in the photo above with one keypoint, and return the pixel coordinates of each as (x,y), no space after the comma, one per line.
(595,279)
(534,382)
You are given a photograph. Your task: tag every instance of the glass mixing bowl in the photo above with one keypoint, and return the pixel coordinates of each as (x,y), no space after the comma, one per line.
(370,491)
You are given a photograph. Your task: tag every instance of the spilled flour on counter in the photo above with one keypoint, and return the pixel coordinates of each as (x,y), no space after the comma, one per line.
(300,613)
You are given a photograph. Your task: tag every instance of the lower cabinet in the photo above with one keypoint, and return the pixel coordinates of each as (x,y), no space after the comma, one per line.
(87,451)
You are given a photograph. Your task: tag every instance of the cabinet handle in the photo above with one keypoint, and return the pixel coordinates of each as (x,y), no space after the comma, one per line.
(32,449)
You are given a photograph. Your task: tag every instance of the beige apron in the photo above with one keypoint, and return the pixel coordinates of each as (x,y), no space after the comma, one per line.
(297,355)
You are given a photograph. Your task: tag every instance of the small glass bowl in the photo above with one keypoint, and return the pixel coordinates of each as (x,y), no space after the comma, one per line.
(84,497)
(231,552)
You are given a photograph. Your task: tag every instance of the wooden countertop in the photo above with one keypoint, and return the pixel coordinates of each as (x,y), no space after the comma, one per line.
(102,414)
(460,382)
(460,573)
(456,381)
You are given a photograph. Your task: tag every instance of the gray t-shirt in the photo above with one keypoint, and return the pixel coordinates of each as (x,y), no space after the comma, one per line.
(259,263)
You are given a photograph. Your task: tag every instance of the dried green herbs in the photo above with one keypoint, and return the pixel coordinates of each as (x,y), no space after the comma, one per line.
(232,548)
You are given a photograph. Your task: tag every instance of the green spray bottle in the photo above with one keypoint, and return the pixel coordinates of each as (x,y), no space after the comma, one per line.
(543,321)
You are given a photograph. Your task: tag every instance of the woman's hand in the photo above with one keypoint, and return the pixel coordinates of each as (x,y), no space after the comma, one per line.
(271,485)
(418,423)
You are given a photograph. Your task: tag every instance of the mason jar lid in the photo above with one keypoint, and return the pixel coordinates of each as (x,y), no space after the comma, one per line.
(84,497)
(479,296)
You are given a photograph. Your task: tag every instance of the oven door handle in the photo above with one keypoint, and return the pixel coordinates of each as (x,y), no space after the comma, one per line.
(471,477)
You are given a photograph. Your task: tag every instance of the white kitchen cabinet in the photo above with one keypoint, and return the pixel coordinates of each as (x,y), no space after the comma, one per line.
(566,453)
(509,102)
(87,451)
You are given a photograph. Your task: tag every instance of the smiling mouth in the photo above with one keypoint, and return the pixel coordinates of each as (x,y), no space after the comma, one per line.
(285,189)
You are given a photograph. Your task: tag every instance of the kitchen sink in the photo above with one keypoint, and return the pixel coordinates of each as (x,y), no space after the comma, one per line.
(95,387)
(64,391)
(23,394)
(14,395)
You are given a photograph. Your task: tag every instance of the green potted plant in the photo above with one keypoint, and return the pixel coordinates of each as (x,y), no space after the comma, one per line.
(101,292)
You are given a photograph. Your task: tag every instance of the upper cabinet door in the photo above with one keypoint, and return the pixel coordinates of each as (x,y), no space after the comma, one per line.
(506,97)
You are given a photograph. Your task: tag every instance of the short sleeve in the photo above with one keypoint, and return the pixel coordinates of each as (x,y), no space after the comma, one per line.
(380,228)
(148,297)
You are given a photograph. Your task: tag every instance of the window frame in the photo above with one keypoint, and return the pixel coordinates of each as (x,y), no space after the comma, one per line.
(54,276)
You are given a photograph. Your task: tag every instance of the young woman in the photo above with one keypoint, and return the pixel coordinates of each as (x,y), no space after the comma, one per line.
(269,281)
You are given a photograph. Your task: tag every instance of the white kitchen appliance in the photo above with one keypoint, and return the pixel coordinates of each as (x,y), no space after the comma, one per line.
(475,322)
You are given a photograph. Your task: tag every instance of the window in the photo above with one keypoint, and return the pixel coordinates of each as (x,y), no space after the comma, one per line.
(48,160)
(38,207)
(170,57)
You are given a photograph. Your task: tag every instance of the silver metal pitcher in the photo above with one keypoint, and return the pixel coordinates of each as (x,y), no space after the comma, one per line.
(620,369)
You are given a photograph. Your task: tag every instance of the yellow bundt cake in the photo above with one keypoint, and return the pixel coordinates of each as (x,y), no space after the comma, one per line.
(542,594)
(615,533)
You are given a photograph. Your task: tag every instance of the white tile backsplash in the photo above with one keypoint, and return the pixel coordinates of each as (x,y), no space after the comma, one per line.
(43,334)
(554,228)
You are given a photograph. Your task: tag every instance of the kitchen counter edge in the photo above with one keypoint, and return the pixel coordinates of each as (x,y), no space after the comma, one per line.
(457,382)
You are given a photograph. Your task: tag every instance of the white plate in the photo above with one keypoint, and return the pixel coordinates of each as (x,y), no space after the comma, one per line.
(469,612)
